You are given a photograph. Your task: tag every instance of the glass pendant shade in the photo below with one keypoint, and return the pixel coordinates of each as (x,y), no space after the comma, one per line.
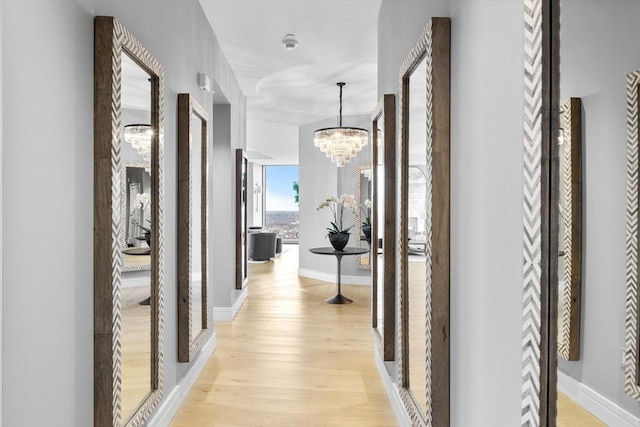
(340,144)
(139,136)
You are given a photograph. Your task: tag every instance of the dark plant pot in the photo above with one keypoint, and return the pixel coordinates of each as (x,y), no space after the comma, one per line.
(147,238)
(339,240)
(366,230)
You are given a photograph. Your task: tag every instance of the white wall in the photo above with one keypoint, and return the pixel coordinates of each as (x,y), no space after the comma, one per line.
(276,141)
(48,275)
(486,206)
(48,295)
(1,216)
(486,194)
(222,230)
(599,45)
(400,23)
(347,184)
(320,178)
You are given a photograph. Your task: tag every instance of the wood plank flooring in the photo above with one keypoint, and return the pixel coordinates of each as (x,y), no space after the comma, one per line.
(570,414)
(290,359)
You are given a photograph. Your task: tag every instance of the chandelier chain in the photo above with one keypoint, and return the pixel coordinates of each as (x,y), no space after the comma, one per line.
(340,125)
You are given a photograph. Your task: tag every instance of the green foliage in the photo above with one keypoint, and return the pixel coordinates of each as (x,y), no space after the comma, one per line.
(296,188)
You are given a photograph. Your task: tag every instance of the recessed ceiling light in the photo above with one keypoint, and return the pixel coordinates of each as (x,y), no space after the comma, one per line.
(289,42)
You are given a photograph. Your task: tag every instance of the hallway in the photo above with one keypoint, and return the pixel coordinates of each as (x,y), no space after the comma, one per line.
(290,359)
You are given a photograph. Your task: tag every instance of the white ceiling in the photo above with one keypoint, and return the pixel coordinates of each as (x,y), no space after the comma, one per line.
(337,42)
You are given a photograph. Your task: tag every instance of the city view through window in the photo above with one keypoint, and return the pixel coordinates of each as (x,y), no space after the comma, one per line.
(281,201)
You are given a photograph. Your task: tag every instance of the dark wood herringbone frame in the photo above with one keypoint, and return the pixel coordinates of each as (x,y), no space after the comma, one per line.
(433,46)
(188,106)
(385,113)
(570,299)
(540,225)
(112,40)
(631,360)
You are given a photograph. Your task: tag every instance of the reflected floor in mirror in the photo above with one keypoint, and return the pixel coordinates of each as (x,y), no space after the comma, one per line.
(136,348)
(290,359)
(570,414)
(417,330)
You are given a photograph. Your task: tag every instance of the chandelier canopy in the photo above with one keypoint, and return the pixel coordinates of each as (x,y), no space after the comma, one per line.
(340,144)
(139,136)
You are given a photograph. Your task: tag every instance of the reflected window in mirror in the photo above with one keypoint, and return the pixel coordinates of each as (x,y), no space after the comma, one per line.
(241,219)
(364,176)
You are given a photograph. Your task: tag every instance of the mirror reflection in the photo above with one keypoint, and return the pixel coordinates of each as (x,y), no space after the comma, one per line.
(136,182)
(241,219)
(383,236)
(416,237)
(196,239)
(136,231)
(364,176)
(379,222)
(598,48)
(570,228)
(192,227)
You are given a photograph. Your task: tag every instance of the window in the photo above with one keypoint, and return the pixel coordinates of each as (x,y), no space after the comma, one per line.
(281,201)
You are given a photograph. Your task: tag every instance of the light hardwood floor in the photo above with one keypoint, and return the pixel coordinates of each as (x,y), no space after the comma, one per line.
(570,414)
(290,359)
(136,349)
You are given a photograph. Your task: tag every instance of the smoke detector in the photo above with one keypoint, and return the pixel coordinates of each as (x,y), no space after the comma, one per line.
(289,42)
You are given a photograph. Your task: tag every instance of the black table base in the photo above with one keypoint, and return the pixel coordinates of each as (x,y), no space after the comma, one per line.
(338,298)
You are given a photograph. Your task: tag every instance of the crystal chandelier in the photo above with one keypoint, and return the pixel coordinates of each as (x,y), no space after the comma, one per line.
(340,144)
(139,136)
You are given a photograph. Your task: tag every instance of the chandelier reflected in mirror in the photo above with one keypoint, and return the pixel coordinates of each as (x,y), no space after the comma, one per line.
(340,144)
(139,136)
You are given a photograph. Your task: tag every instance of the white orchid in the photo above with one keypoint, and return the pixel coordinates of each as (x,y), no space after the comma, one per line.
(143,199)
(141,203)
(337,206)
(366,212)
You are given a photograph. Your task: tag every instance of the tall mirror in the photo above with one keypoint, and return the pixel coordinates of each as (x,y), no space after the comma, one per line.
(241,219)
(604,74)
(632,327)
(383,224)
(424,228)
(128,217)
(193,173)
(364,176)
(570,229)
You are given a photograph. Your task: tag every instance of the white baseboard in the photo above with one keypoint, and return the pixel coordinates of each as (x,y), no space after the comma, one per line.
(169,408)
(226,314)
(601,407)
(331,278)
(392,392)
